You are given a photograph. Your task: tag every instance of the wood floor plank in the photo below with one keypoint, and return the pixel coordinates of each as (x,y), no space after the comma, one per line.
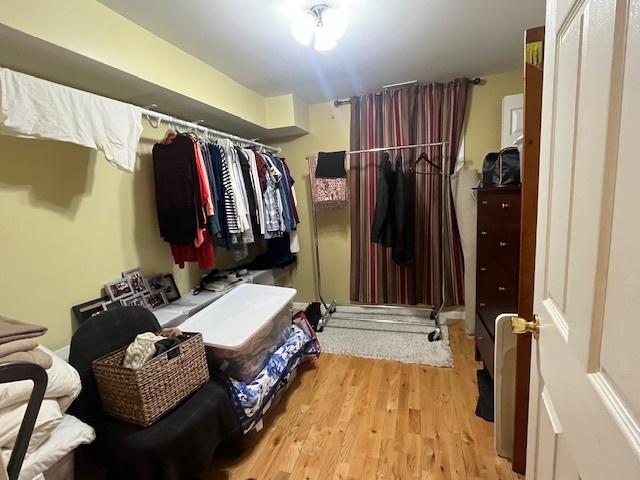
(351,418)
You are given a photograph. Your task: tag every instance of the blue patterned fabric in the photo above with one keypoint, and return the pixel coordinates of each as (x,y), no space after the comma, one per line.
(252,400)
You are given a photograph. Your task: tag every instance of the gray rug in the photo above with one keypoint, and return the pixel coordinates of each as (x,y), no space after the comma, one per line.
(405,343)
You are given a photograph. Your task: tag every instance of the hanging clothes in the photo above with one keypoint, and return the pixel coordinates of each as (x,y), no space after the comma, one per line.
(327,192)
(227,195)
(257,189)
(34,108)
(177,187)
(403,206)
(382,228)
(393,222)
(183,200)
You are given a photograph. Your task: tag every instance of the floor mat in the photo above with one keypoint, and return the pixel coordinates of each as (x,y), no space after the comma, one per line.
(406,343)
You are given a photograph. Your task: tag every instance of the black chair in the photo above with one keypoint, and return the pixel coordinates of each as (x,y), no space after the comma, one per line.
(14,372)
(179,445)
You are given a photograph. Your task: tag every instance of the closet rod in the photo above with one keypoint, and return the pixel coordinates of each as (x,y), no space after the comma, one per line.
(210,131)
(402,147)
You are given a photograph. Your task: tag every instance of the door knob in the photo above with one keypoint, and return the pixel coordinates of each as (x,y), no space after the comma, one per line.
(520,326)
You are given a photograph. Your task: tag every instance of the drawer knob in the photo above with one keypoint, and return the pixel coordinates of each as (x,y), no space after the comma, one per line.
(483,304)
(483,269)
(505,205)
(483,232)
(502,289)
(503,244)
(484,202)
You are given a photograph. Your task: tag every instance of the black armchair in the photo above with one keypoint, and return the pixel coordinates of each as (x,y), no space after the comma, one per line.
(178,446)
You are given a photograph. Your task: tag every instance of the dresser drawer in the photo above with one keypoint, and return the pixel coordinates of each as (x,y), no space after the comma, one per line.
(499,206)
(501,247)
(496,292)
(485,344)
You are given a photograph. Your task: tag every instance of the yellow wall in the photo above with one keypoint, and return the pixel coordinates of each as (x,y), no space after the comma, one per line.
(483,128)
(329,131)
(71,222)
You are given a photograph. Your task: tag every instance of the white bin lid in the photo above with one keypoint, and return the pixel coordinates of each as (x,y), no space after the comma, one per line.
(235,318)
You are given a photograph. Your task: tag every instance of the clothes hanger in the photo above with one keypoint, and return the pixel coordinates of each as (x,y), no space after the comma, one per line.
(423,157)
(169,137)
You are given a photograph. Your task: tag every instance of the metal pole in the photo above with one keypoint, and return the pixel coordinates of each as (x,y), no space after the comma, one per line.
(209,131)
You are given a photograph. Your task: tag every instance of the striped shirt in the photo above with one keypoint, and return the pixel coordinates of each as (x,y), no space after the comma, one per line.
(229,202)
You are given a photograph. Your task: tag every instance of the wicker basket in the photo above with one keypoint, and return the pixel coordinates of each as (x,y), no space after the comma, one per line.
(143,395)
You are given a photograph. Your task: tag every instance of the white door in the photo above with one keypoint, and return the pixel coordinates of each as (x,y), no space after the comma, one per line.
(584,418)
(512,119)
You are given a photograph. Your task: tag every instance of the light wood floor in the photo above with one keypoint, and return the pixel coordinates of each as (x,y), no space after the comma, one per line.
(355,418)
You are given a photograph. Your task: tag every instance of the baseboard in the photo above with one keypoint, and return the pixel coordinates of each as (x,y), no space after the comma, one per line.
(297,306)
(63,353)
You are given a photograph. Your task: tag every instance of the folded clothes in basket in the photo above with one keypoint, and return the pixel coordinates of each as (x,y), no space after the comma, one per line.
(252,400)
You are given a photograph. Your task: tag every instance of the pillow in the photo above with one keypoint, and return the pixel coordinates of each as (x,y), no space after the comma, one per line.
(64,385)
(11,419)
(66,437)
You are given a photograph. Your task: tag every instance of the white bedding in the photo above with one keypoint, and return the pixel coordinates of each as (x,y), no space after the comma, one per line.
(49,417)
(64,385)
(62,388)
(66,437)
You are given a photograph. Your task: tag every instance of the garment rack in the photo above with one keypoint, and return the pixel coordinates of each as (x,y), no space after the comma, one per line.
(434,310)
(162,117)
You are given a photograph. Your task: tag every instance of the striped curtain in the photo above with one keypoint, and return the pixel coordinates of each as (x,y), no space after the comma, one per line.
(416,114)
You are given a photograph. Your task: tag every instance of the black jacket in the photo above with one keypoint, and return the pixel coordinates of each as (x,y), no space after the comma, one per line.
(393,222)
(382,228)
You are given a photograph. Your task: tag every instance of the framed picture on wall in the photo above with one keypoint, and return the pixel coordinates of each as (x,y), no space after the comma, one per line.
(156,300)
(88,309)
(136,300)
(136,280)
(119,289)
(171,289)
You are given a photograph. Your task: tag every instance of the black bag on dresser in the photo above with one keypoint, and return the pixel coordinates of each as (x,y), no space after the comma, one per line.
(502,168)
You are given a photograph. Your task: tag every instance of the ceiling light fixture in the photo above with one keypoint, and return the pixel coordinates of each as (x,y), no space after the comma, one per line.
(321,24)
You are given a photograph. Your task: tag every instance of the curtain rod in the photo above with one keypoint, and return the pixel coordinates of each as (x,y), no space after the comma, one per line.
(345,101)
(401,147)
(209,131)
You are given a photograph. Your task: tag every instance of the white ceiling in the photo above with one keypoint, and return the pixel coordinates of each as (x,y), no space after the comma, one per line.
(387,41)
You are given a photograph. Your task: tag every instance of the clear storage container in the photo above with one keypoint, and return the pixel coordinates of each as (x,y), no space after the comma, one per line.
(243,328)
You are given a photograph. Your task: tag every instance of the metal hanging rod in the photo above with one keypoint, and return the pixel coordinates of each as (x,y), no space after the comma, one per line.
(401,147)
(345,101)
(162,117)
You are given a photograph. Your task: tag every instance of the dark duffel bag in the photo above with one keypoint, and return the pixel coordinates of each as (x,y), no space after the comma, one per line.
(502,168)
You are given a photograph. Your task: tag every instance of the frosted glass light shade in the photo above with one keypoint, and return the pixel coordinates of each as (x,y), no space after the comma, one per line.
(303,27)
(324,40)
(321,25)
(334,23)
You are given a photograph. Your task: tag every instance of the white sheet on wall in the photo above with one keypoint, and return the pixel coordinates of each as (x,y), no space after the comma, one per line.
(35,108)
(467,215)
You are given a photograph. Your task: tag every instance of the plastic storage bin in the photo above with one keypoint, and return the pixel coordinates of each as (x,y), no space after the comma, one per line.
(243,328)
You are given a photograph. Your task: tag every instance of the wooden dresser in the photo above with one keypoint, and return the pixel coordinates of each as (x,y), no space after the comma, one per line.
(497,263)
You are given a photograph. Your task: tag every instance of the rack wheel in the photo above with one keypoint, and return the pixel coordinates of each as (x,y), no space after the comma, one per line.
(434,336)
